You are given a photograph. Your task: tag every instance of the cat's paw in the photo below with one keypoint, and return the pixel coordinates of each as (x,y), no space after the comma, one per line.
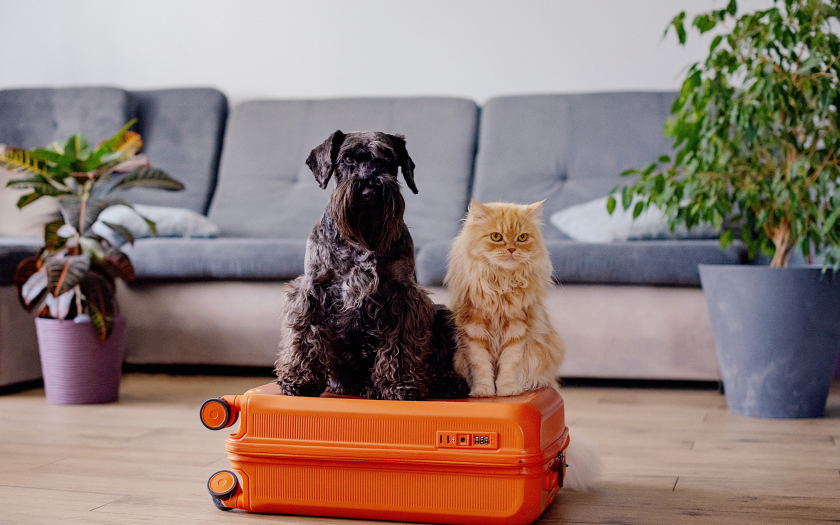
(482,391)
(510,389)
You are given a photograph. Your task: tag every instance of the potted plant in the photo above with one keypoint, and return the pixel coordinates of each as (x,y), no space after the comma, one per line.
(70,285)
(757,154)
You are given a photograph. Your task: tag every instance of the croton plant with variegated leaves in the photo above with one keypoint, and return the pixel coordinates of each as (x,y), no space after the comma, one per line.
(76,270)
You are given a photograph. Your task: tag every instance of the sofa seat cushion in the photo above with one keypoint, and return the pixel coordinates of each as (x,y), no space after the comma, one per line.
(221,258)
(633,262)
(265,189)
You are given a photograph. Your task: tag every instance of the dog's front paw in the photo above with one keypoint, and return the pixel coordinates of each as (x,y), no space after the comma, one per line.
(402,393)
(482,391)
(509,389)
(305,389)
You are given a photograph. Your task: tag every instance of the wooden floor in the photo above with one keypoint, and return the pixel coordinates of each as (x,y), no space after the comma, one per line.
(671,456)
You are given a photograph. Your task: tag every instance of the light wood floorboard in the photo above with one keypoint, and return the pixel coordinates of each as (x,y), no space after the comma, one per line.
(671,457)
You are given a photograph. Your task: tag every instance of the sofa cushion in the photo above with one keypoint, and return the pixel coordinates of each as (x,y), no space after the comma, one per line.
(633,262)
(33,118)
(566,149)
(169,222)
(222,258)
(182,132)
(266,190)
(591,222)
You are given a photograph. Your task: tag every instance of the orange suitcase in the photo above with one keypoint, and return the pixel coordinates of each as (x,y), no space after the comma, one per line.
(484,460)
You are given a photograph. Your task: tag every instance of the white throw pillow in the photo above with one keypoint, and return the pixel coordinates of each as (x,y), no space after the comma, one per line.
(591,222)
(169,222)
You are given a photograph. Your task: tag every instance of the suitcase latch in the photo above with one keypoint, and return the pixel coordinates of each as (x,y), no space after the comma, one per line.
(468,440)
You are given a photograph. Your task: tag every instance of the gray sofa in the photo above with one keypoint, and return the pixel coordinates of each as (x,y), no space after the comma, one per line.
(626,310)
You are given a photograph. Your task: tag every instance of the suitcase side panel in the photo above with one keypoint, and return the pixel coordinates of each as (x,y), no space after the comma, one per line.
(393,493)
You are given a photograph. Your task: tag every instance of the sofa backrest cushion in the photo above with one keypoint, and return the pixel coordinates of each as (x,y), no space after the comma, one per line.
(266,190)
(33,118)
(567,148)
(182,132)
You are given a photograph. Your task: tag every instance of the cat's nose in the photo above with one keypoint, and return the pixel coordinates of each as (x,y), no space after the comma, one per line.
(511,250)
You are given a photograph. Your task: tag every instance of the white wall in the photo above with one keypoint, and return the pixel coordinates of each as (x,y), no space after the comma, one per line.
(324,48)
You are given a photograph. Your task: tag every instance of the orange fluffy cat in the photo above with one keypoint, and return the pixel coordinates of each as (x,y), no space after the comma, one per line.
(499,271)
(498,274)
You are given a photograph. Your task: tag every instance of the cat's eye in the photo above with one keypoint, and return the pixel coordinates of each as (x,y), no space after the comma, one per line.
(522,237)
(496,237)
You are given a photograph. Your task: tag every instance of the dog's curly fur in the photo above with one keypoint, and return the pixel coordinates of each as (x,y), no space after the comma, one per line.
(355,322)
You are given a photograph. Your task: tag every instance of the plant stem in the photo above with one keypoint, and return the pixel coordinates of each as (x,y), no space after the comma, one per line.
(781,239)
(78,300)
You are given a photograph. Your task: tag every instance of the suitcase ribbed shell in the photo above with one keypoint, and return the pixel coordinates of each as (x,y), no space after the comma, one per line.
(483,460)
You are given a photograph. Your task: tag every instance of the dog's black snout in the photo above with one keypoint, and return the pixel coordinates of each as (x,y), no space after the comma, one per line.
(368,193)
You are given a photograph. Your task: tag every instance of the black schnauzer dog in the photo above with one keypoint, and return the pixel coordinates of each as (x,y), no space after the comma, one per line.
(355,323)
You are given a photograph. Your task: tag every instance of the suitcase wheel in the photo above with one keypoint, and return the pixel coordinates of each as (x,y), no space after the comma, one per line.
(223,485)
(216,414)
(219,505)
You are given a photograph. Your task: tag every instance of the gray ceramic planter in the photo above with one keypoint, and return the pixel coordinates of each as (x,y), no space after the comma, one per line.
(777,335)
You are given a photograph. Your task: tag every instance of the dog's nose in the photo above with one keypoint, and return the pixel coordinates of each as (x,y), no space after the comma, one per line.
(511,250)
(368,193)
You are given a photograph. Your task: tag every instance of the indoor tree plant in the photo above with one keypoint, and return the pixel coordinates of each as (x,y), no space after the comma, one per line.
(73,276)
(756,140)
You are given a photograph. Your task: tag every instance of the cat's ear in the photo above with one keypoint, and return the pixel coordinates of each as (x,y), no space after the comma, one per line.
(478,211)
(535,210)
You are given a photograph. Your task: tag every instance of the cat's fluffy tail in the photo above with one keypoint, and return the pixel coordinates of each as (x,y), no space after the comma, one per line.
(584,462)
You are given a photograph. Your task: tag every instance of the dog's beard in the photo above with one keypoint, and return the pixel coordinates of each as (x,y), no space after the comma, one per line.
(375,224)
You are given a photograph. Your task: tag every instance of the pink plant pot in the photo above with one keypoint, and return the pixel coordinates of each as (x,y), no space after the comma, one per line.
(77,367)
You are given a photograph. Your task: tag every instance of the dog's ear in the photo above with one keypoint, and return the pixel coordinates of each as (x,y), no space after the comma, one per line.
(404,161)
(322,160)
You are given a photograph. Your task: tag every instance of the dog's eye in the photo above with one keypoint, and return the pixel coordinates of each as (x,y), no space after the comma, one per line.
(522,237)
(496,237)
(350,161)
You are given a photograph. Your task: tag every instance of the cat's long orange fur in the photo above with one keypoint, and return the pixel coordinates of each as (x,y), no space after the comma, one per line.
(506,342)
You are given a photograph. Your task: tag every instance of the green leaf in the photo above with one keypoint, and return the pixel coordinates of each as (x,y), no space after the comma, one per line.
(664,159)
(37,183)
(611,205)
(65,272)
(111,145)
(33,287)
(726,238)
(715,42)
(60,306)
(71,210)
(637,210)
(121,230)
(120,264)
(28,199)
(102,325)
(77,148)
(15,160)
(99,291)
(678,23)
(52,240)
(705,22)
(53,157)
(831,219)
(148,177)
